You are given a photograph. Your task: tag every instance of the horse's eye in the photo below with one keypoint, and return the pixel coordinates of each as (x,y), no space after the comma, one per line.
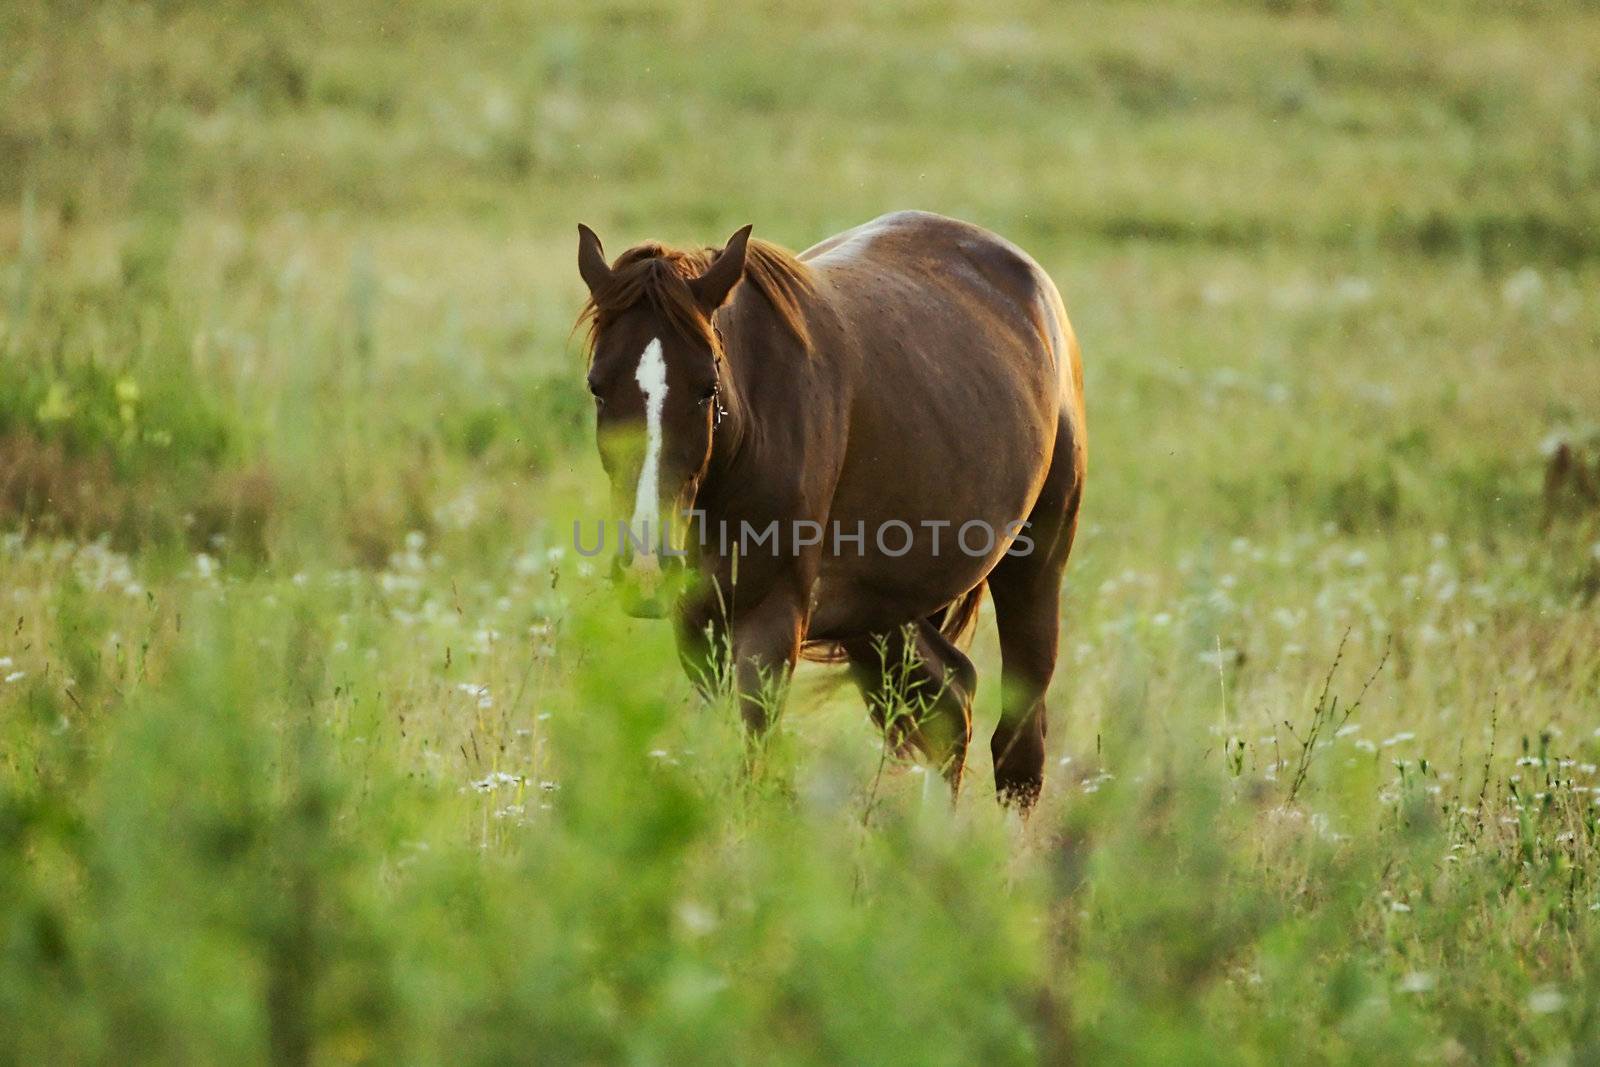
(709,393)
(594,391)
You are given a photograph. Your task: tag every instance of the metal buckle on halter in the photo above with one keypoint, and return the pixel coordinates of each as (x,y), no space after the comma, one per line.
(721,358)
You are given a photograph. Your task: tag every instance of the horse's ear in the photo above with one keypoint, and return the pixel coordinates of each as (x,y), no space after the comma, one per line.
(711,289)
(592,260)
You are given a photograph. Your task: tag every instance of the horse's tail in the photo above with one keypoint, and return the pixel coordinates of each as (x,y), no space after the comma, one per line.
(823,652)
(959,616)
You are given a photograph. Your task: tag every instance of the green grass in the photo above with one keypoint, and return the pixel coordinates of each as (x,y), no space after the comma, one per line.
(316,746)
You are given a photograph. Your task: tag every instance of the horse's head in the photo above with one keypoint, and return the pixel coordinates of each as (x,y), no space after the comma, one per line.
(655,372)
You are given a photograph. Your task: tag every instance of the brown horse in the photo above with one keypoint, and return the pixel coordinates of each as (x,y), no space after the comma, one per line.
(840,453)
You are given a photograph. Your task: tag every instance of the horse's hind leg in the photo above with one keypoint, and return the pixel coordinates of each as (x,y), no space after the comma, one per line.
(919,688)
(945,732)
(1026,590)
(1025,611)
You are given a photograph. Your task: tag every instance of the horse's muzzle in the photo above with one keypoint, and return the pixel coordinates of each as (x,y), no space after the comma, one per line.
(647,583)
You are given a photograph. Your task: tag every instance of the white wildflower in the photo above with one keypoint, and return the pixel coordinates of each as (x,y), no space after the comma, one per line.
(480,693)
(1418,982)
(1546,1000)
(1351,290)
(494,780)
(696,918)
(1522,288)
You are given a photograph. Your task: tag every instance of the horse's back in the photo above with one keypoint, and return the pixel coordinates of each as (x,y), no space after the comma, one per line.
(919,280)
(905,239)
(938,265)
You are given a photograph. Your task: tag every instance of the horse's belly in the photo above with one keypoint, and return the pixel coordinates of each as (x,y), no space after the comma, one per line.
(849,602)
(909,557)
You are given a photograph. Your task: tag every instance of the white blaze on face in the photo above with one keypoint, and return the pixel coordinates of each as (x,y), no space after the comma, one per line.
(652,379)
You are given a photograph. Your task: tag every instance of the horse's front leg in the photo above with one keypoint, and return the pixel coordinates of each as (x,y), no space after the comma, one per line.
(703,647)
(766,643)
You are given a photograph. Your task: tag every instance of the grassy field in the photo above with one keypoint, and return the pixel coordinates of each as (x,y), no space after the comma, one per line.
(317,744)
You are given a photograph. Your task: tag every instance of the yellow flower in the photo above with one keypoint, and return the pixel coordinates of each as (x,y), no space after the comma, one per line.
(57,405)
(128,405)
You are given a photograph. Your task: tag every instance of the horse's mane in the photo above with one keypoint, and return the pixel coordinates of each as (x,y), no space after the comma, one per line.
(660,274)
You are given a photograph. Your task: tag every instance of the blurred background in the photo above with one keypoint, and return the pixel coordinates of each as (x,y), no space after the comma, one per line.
(316,745)
(261,220)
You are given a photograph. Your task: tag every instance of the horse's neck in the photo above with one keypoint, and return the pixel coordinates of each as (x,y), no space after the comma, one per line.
(765,367)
